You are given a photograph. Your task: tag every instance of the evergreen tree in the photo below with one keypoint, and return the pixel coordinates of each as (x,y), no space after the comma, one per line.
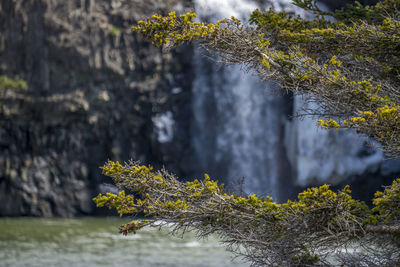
(349,64)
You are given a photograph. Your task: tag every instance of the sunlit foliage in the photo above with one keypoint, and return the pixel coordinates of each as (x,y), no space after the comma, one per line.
(349,63)
(319,224)
(12,84)
(350,66)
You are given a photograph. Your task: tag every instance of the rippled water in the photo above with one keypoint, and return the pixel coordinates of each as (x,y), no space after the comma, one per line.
(96,242)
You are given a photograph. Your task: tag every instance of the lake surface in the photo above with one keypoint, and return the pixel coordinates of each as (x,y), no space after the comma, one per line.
(97,242)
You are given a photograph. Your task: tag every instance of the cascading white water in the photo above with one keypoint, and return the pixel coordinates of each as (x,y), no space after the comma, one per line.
(318,156)
(237,118)
(241,127)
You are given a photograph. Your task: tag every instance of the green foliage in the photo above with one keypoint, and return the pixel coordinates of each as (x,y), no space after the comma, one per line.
(387,203)
(307,259)
(351,66)
(116,31)
(14,84)
(371,14)
(271,21)
(133,226)
(161,30)
(321,218)
(353,12)
(123,203)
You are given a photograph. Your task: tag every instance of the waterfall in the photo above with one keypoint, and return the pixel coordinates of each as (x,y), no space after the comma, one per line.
(318,156)
(241,126)
(237,118)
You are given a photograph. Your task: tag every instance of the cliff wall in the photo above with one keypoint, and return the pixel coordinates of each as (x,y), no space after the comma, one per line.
(95,92)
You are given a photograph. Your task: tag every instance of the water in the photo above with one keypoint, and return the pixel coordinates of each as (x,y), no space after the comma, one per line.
(243,129)
(96,242)
(237,118)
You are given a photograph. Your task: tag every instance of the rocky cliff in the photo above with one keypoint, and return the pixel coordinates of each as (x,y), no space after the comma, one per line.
(95,92)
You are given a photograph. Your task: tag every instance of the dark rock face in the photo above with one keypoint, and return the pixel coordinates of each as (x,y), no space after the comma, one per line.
(97,91)
(94,91)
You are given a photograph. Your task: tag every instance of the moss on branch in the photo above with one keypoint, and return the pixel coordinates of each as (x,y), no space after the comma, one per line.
(320,222)
(350,66)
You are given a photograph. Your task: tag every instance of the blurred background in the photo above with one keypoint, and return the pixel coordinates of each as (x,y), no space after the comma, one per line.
(78,87)
(97,91)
